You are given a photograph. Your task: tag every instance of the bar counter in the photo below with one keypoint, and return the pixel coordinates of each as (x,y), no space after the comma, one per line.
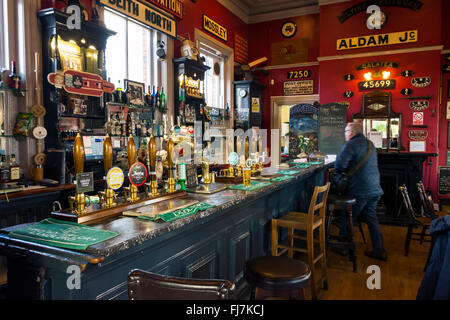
(214,243)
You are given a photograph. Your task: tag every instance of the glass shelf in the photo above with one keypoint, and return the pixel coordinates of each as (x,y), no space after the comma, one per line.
(81,116)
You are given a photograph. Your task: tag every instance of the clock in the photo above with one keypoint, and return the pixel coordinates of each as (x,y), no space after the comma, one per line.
(288,29)
(242,93)
(372,23)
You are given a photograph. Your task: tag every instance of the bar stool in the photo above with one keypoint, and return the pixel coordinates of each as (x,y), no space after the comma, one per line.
(307,222)
(276,276)
(334,241)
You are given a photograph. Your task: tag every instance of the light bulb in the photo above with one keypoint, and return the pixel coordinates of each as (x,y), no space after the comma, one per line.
(368,75)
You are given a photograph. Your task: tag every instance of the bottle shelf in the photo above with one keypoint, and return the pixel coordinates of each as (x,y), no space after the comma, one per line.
(81,116)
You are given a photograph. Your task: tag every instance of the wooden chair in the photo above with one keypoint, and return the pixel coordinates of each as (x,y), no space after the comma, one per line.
(143,285)
(427,203)
(415,221)
(308,222)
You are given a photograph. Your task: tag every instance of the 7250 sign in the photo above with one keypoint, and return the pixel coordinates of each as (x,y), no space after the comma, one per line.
(298,74)
(376,84)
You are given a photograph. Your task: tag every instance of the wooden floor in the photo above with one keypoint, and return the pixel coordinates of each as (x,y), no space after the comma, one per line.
(401,276)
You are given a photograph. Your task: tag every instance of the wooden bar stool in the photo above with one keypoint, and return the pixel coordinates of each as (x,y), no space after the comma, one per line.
(335,241)
(275,277)
(308,222)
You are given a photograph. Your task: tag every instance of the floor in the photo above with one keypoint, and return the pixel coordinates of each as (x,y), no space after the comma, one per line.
(401,276)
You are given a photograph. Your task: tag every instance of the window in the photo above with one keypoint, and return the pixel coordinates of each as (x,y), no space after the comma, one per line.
(214,80)
(219,79)
(130,54)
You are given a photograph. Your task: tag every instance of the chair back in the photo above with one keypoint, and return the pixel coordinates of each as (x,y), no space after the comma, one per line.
(144,285)
(426,201)
(407,203)
(321,205)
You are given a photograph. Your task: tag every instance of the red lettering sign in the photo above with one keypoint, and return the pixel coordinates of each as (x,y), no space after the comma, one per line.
(174,7)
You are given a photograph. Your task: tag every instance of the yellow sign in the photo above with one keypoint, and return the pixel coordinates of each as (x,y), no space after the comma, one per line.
(215,28)
(115,178)
(377,40)
(146,14)
(255,104)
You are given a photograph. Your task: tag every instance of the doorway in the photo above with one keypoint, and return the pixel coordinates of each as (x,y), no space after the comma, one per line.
(280,106)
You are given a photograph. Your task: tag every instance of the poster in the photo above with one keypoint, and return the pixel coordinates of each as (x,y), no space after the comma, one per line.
(293,88)
(255,105)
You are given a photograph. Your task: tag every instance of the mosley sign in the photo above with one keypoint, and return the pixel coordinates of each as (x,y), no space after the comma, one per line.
(214,28)
(144,13)
(377,40)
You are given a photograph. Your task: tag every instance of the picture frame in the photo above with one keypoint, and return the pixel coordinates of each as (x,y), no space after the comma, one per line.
(447,113)
(448,88)
(417,146)
(134,92)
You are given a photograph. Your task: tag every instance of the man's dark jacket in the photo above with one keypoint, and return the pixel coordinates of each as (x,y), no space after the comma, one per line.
(436,281)
(365,183)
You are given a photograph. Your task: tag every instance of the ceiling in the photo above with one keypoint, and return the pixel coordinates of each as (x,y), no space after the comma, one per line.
(253,11)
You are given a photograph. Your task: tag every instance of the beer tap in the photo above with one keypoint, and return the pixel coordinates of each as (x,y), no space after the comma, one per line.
(239,152)
(152,164)
(131,192)
(260,153)
(170,160)
(107,196)
(79,200)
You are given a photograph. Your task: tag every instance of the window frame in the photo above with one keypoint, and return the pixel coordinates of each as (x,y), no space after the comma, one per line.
(228,70)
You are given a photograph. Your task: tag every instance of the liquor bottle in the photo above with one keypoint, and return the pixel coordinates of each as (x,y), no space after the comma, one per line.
(118,94)
(181,173)
(14,168)
(4,170)
(227,112)
(148,98)
(138,128)
(158,101)
(154,98)
(14,79)
(129,124)
(162,100)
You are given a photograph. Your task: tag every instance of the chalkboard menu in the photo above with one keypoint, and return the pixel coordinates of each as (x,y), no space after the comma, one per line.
(444,180)
(191,175)
(332,122)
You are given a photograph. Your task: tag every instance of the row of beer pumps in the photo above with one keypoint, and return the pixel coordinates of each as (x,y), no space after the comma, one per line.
(138,172)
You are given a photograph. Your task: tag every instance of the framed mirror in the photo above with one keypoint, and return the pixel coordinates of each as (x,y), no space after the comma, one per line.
(380,124)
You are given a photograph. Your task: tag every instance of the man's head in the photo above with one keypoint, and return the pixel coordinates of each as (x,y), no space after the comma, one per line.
(352,129)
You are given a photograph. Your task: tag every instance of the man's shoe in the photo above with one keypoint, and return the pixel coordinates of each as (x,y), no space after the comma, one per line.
(379,256)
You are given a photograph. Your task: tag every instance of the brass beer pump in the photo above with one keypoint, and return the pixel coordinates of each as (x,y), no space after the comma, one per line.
(239,151)
(132,190)
(79,200)
(152,160)
(107,196)
(170,160)
(260,154)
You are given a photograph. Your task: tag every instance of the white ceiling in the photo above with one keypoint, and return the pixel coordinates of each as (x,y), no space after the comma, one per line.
(254,7)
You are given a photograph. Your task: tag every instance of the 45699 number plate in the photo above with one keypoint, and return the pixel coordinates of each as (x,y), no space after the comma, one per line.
(376,84)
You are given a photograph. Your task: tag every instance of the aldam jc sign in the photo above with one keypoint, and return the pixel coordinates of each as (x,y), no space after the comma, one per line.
(377,40)
(144,13)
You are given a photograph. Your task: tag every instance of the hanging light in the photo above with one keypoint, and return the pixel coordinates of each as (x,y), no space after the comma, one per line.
(386,74)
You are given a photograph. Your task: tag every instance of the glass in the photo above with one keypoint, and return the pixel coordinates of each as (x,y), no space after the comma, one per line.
(214,84)
(116,52)
(246,176)
(389,129)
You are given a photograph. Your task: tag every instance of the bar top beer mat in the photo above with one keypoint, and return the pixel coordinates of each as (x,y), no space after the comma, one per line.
(288,172)
(253,186)
(177,214)
(62,234)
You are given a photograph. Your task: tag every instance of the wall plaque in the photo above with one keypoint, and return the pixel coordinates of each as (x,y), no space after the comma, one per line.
(292,88)
(421,82)
(377,40)
(213,27)
(419,105)
(417,134)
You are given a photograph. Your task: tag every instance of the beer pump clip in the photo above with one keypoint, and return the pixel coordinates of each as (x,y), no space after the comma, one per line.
(114,176)
(131,192)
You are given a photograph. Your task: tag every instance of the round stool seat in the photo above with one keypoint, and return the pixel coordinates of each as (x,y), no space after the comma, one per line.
(339,200)
(277,273)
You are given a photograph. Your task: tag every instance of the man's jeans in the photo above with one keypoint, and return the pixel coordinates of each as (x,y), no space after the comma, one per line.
(365,210)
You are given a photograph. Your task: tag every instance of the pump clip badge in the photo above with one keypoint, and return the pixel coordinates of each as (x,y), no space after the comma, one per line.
(115,178)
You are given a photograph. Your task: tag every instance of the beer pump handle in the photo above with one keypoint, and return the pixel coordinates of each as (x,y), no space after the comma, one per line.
(107,154)
(152,153)
(131,149)
(169,151)
(78,154)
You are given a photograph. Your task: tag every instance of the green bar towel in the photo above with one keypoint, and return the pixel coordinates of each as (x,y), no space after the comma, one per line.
(302,165)
(63,234)
(253,186)
(288,172)
(177,214)
(282,178)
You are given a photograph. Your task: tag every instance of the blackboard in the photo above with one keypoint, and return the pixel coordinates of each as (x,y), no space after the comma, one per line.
(191,175)
(444,180)
(332,122)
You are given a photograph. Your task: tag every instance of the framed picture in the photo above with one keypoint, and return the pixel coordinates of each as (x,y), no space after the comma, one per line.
(447,113)
(448,88)
(417,146)
(135,92)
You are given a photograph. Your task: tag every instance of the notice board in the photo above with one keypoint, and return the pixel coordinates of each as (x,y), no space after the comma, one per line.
(332,122)
(444,180)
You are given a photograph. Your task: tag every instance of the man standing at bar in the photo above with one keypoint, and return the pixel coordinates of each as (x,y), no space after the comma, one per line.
(364,184)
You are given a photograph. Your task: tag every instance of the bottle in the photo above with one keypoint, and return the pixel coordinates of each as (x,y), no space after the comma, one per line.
(14,79)
(158,102)
(14,168)
(4,170)
(118,94)
(154,98)
(162,100)
(181,173)
(227,112)
(148,98)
